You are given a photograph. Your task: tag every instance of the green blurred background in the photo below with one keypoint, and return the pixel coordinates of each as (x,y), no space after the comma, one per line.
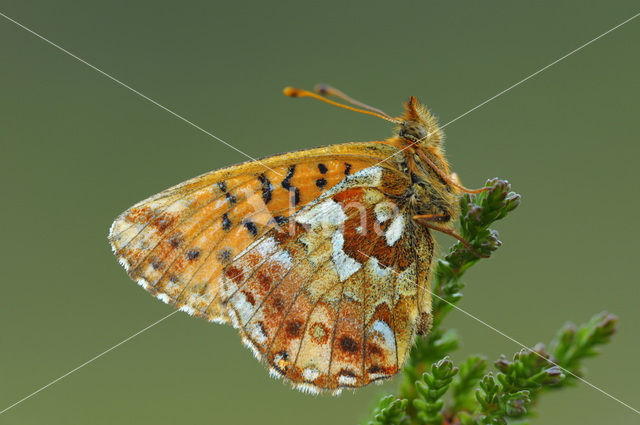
(77,149)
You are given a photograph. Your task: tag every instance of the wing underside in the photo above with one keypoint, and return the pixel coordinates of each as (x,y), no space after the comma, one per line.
(326,299)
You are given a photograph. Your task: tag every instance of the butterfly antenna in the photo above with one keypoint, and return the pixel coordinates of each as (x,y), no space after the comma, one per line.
(450,232)
(327,90)
(294,92)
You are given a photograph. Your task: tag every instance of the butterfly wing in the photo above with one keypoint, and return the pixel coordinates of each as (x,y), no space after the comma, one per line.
(334,302)
(233,245)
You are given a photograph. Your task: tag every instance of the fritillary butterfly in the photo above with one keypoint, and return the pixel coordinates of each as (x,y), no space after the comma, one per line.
(320,258)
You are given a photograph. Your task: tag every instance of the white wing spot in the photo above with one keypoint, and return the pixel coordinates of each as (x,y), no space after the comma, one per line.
(385,331)
(378,270)
(234,319)
(242,306)
(284,258)
(142,282)
(258,334)
(264,247)
(307,388)
(124,263)
(383,211)
(347,380)
(395,229)
(218,320)
(275,373)
(310,373)
(163,297)
(253,349)
(188,309)
(378,376)
(326,213)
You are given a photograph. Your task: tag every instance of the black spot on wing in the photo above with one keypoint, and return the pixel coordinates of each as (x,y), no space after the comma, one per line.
(294,192)
(294,196)
(193,254)
(226,223)
(224,255)
(322,168)
(280,220)
(347,168)
(156,263)
(321,183)
(231,199)
(286,183)
(348,344)
(175,241)
(251,227)
(267,188)
(222,186)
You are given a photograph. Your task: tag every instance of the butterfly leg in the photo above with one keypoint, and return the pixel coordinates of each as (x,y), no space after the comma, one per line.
(440,218)
(428,220)
(453,179)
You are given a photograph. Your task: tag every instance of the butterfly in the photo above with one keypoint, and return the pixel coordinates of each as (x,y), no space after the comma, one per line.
(320,258)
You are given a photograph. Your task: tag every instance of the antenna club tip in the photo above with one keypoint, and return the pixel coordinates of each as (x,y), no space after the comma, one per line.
(291,92)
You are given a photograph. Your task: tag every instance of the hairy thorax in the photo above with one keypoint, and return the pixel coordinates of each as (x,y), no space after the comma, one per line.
(429,194)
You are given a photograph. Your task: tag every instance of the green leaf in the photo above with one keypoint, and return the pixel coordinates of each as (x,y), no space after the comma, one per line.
(434,385)
(572,345)
(471,371)
(389,411)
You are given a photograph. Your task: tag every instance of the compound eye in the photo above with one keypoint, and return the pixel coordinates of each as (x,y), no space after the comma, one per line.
(413,131)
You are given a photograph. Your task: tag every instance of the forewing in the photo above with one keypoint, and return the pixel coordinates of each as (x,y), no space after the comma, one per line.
(177,243)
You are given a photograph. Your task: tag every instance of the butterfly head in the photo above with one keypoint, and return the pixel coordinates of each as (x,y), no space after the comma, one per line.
(418,126)
(421,141)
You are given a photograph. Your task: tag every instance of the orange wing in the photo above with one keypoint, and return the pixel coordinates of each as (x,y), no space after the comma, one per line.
(213,243)
(175,244)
